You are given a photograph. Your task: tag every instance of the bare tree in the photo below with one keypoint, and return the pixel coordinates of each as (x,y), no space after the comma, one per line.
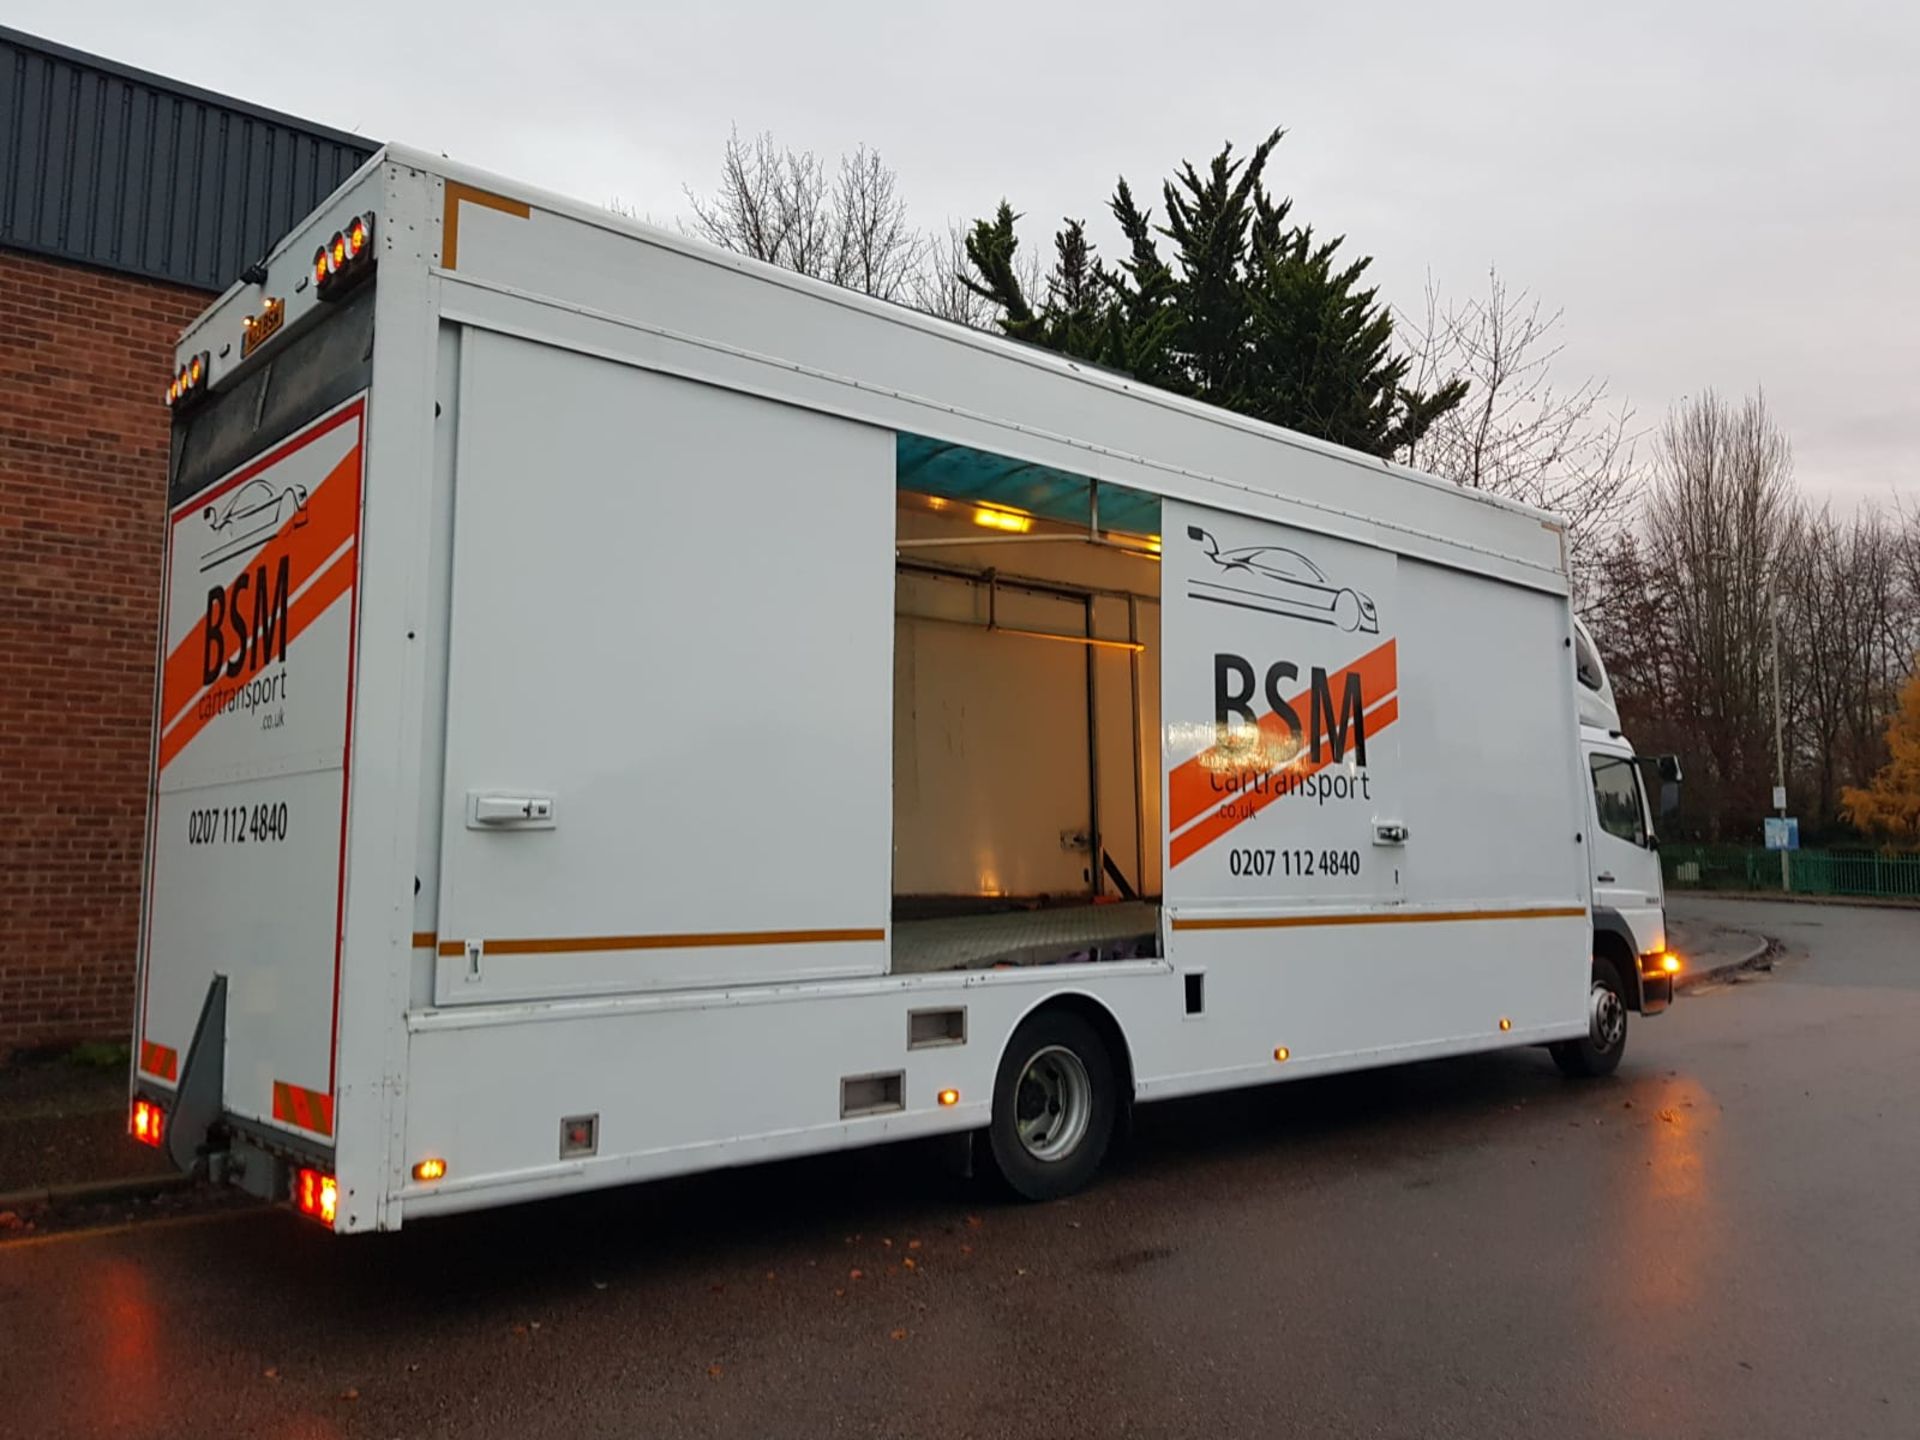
(879,252)
(782,206)
(1846,645)
(1719,525)
(1519,433)
(938,287)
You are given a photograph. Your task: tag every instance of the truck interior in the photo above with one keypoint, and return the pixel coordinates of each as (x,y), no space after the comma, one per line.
(1026,721)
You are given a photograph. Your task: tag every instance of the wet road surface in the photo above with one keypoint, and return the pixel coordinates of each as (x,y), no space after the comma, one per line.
(1724,1240)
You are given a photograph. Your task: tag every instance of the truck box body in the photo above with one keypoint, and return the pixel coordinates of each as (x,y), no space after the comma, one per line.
(627,710)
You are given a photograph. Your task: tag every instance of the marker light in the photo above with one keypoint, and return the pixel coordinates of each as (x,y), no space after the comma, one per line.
(190,379)
(1670,963)
(316,1195)
(1282,1053)
(343,258)
(149,1122)
(433,1169)
(949,1097)
(1505,1023)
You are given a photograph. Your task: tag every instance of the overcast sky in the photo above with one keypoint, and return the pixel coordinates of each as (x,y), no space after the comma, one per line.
(1718,195)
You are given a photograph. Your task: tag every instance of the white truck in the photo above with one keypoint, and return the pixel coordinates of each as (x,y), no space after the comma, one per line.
(628,710)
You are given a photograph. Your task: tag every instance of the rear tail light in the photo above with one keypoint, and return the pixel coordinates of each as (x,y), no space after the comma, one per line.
(344,258)
(316,1194)
(148,1123)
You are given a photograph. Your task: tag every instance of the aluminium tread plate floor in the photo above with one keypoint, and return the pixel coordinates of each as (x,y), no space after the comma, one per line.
(1026,937)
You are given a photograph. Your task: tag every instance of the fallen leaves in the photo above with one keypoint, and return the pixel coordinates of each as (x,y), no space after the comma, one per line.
(899,1334)
(714,1371)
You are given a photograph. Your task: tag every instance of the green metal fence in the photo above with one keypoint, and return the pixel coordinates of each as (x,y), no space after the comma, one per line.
(1873,873)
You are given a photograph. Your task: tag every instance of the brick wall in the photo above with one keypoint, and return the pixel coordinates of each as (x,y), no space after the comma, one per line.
(84,360)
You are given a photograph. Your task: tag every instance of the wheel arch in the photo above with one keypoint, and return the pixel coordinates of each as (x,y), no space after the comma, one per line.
(1104,1023)
(1613,941)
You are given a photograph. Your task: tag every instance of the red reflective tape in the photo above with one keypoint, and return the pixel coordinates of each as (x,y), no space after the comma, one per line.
(162,1061)
(307,1109)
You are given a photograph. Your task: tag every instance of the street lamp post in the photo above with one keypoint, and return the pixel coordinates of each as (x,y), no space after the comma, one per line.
(1779,739)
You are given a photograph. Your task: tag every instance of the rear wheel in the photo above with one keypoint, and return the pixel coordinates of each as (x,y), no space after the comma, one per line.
(1599,1051)
(1054,1104)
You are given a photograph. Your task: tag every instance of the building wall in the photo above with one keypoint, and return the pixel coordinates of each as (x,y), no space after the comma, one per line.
(85,357)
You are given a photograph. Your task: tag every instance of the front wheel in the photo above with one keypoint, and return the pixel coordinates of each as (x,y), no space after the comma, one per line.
(1599,1051)
(1054,1103)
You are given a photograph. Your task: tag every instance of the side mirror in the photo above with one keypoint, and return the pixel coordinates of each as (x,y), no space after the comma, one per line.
(1669,797)
(1669,766)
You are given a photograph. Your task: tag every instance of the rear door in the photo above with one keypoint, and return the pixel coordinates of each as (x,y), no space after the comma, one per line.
(247,845)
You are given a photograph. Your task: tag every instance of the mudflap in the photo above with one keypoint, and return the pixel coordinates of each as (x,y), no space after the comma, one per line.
(198,1102)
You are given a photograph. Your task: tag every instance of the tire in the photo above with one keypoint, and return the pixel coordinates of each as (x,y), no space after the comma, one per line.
(1598,1052)
(1055,1101)
(1346,611)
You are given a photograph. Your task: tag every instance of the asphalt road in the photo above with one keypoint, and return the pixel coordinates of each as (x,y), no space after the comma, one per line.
(1724,1240)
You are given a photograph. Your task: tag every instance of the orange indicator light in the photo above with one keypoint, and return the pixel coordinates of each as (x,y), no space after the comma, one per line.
(433,1169)
(949,1097)
(1281,1052)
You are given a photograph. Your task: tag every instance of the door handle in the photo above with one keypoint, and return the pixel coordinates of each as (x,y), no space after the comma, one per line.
(1605,877)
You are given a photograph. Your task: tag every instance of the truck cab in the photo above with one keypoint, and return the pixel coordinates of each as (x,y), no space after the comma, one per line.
(1629,898)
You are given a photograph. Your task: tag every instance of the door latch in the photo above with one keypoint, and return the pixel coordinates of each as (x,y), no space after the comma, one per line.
(497,810)
(1389,832)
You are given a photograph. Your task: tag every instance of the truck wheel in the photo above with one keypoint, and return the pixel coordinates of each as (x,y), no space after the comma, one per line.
(1599,1051)
(1053,1106)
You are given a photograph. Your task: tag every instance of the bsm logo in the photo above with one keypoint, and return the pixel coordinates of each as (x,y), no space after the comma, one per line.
(1338,725)
(246,622)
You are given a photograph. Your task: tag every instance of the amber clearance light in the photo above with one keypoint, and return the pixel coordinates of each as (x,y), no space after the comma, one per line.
(343,258)
(433,1168)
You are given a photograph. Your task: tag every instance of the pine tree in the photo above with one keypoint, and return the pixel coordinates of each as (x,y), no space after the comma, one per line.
(1253,314)
(1891,804)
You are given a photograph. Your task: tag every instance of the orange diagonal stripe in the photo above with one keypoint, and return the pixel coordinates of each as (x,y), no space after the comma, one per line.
(1248,803)
(337,580)
(1189,789)
(331,515)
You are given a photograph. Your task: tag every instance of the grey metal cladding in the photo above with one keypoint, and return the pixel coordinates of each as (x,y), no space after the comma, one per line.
(113,167)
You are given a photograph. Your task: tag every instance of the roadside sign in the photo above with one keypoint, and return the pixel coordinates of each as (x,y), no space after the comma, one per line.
(1779,797)
(1782,833)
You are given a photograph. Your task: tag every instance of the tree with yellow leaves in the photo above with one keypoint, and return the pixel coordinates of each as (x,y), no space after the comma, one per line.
(1892,802)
